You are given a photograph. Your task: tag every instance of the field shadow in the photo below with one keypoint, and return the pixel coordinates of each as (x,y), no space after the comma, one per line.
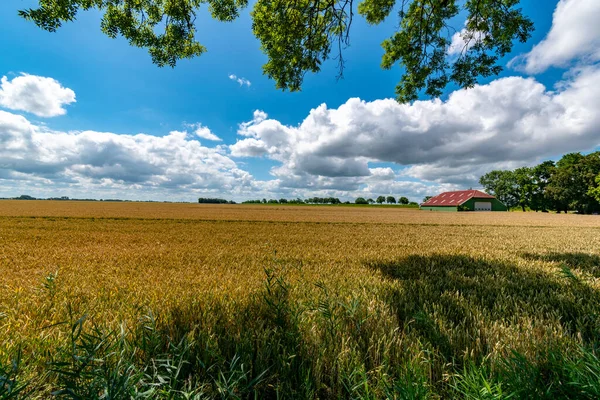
(589,263)
(445,299)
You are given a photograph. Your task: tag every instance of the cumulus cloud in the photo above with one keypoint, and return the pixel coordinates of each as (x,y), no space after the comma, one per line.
(241,81)
(509,122)
(98,160)
(39,161)
(574,35)
(204,132)
(44,97)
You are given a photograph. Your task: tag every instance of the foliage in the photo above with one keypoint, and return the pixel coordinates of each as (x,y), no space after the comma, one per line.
(569,184)
(541,178)
(25,197)
(10,385)
(403,200)
(323,200)
(501,184)
(360,200)
(421,43)
(595,191)
(298,37)
(203,200)
(573,178)
(390,200)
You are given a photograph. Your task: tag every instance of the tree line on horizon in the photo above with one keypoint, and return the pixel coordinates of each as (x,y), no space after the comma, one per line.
(384,199)
(570,184)
(333,200)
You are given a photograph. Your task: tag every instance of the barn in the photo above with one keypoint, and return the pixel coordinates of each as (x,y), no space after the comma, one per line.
(467,200)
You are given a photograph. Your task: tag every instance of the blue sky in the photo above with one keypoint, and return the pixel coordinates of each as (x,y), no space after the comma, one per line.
(93,117)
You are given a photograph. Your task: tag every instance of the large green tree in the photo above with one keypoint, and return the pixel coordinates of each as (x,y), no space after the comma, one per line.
(503,185)
(572,181)
(299,35)
(541,177)
(595,191)
(524,186)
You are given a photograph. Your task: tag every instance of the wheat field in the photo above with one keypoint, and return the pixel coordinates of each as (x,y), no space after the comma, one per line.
(151,300)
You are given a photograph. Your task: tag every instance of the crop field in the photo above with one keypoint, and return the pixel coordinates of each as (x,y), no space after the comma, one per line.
(187,301)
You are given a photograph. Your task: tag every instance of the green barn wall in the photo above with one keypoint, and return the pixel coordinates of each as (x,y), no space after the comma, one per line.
(469,205)
(440,208)
(496,205)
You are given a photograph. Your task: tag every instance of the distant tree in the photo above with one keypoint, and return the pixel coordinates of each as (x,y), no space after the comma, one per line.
(426,199)
(590,171)
(25,197)
(390,200)
(541,177)
(524,186)
(283,201)
(380,200)
(272,201)
(501,184)
(360,200)
(403,200)
(569,184)
(413,203)
(572,180)
(370,201)
(203,200)
(595,191)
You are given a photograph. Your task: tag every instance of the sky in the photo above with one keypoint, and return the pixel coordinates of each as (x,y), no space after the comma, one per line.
(86,116)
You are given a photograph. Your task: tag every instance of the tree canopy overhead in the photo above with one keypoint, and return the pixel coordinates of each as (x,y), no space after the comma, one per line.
(299,35)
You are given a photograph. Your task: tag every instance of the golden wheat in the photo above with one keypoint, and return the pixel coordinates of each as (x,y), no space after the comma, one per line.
(116,261)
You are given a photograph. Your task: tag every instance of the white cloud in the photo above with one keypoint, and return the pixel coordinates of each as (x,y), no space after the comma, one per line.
(510,122)
(92,161)
(204,132)
(462,41)
(44,97)
(574,35)
(241,81)
(41,162)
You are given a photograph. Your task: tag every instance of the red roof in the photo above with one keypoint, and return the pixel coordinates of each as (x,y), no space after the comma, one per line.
(456,198)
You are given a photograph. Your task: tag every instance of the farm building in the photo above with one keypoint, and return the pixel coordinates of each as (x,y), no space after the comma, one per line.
(468,200)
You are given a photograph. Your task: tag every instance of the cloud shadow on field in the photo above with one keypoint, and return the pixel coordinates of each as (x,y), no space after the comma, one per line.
(589,263)
(447,299)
